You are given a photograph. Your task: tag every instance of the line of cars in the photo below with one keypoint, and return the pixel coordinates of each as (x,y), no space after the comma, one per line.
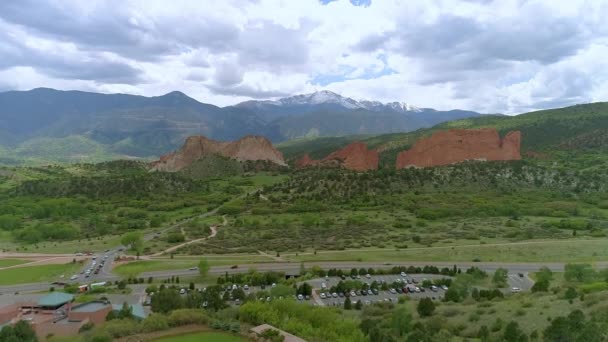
(94,268)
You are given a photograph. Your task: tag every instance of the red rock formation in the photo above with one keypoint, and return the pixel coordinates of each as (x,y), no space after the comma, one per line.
(306,161)
(247,148)
(457,145)
(355,156)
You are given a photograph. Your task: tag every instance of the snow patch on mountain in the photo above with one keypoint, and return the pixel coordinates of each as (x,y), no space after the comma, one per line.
(329,97)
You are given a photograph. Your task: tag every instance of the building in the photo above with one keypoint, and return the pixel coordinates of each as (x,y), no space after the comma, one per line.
(57,314)
(94,312)
(136,309)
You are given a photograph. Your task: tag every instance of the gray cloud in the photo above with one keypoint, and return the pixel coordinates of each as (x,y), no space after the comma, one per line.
(227,74)
(90,67)
(246,90)
(452,47)
(119,29)
(273,46)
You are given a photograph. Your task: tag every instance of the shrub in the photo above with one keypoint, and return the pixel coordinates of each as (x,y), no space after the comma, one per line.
(155,322)
(425,307)
(86,327)
(187,316)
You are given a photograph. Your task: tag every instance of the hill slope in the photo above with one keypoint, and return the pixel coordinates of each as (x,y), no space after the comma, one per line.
(112,126)
(580,130)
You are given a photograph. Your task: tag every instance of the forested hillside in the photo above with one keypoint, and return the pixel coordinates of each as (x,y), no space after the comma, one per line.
(579,132)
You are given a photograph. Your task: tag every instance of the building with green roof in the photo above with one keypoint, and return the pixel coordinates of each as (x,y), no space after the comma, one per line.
(55,300)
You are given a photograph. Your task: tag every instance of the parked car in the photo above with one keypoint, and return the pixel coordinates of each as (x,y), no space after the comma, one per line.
(515,289)
(403,274)
(322,295)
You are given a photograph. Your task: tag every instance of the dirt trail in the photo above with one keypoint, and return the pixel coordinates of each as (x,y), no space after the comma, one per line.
(43,261)
(176,247)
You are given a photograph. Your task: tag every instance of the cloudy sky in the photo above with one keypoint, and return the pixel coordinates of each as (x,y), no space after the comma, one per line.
(490,56)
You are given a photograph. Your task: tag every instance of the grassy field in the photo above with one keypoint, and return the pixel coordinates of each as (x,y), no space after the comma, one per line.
(33,274)
(134,268)
(11,262)
(203,336)
(179,263)
(531,251)
(97,244)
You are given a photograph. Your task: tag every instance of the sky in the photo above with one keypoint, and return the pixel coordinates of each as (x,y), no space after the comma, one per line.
(503,56)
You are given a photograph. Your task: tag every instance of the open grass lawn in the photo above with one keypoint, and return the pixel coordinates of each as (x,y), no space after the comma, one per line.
(179,263)
(33,274)
(134,268)
(203,337)
(11,262)
(532,251)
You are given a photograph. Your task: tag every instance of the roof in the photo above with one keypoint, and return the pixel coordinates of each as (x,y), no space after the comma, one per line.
(55,299)
(136,309)
(90,307)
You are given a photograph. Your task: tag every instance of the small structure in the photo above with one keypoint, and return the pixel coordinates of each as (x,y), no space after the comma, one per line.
(136,309)
(257,331)
(95,312)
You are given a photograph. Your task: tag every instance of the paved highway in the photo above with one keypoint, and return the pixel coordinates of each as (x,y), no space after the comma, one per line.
(294,268)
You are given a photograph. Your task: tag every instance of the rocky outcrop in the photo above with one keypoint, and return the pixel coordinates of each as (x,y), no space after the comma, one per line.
(458,145)
(306,161)
(355,156)
(251,147)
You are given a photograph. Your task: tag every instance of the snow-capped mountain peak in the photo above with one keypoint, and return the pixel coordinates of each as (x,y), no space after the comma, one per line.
(403,106)
(329,97)
(320,97)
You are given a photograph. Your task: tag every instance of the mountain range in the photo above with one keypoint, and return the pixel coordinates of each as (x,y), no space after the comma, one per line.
(48,125)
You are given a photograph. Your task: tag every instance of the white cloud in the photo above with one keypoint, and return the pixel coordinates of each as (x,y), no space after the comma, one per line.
(492,56)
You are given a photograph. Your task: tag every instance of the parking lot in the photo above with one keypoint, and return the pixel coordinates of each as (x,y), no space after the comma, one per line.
(397,285)
(412,283)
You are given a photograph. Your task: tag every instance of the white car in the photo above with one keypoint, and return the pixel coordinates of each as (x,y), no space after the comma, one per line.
(322,295)
(403,274)
(74,277)
(182,291)
(444,287)
(515,289)
(246,287)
